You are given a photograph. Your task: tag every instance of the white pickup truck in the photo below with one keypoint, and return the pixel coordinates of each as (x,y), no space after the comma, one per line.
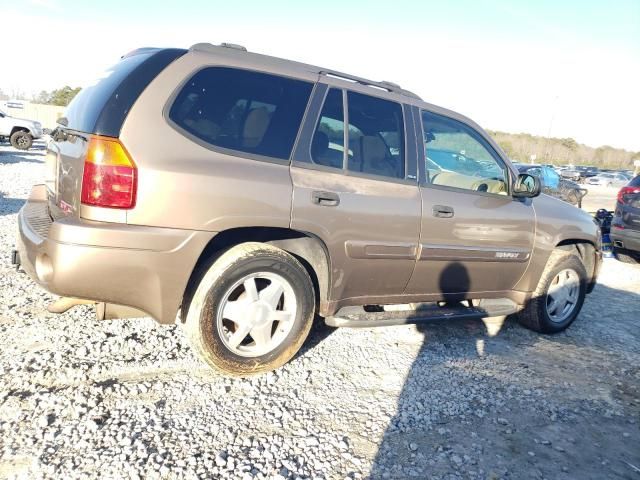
(20,132)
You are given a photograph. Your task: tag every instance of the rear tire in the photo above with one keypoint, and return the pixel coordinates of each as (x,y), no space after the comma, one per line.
(545,312)
(626,256)
(21,140)
(230,319)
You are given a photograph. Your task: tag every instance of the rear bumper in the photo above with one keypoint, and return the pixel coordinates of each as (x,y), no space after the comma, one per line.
(141,267)
(625,238)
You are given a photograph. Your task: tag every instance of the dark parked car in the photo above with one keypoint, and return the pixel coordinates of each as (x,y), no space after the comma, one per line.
(555,185)
(572,174)
(625,226)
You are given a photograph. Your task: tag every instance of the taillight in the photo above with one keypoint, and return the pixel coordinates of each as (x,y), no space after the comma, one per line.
(110,177)
(627,191)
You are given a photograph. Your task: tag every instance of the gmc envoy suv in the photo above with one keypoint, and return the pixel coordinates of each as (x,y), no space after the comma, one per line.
(241,195)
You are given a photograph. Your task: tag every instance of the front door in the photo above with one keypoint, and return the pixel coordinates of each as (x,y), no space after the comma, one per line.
(475,238)
(352,188)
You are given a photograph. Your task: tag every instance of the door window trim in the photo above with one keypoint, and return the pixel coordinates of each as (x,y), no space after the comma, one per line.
(424,181)
(301,156)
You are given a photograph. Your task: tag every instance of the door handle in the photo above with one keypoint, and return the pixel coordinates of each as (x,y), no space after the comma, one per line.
(442,211)
(325,199)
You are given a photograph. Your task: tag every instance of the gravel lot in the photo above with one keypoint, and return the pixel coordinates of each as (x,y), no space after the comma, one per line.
(599,197)
(128,399)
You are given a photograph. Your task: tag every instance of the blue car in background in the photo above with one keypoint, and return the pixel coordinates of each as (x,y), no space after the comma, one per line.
(553,184)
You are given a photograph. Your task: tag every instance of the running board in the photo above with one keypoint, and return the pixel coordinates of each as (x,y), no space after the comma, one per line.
(429,313)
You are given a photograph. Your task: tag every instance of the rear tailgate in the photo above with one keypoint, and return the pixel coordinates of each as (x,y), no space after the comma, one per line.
(99,109)
(65,162)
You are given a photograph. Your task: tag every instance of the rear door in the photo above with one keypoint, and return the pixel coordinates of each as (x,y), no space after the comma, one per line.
(356,189)
(475,237)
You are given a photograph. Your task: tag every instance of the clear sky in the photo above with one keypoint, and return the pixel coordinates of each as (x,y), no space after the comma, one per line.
(571,68)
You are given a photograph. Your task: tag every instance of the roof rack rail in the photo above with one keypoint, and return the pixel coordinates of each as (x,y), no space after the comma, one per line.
(233,45)
(384,85)
(208,47)
(391,84)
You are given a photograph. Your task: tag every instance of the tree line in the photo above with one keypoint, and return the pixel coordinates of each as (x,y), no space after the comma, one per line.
(562,151)
(60,96)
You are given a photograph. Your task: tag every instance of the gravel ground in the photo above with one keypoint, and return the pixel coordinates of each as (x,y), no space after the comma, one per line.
(599,197)
(128,399)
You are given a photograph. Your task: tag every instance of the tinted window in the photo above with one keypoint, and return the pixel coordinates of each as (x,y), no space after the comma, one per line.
(376,136)
(241,110)
(458,157)
(102,106)
(327,147)
(635,182)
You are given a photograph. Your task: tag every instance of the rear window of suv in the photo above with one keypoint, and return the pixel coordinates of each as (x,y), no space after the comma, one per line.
(102,106)
(242,111)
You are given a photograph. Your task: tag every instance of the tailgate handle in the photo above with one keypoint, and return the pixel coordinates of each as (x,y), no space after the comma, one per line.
(442,211)
(325,199)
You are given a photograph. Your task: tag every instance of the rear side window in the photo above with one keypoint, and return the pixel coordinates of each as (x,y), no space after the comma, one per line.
(327,147)
(376,136)
(102,106)
(635,182)
(241,110)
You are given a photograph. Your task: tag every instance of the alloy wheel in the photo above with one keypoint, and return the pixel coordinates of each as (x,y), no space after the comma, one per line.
(256,314)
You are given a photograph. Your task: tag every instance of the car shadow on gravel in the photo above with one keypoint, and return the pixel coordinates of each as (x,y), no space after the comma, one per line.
(9,206)
(14,157)
(318,333)
(487,402)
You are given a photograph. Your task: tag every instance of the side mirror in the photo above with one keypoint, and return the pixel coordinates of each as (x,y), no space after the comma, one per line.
(526,186)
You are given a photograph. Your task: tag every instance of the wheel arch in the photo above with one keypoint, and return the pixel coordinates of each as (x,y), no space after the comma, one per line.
(19,128)
(587,252)
(305,247)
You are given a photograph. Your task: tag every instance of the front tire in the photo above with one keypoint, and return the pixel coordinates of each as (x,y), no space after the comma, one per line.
(252,310)
(21,140)
(557,300)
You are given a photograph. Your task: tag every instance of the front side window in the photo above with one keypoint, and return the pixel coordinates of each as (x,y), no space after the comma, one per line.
(241,110)
(457,156)
(376,136)
(327,146)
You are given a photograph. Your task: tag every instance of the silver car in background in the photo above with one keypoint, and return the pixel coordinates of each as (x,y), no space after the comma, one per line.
(609,179)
